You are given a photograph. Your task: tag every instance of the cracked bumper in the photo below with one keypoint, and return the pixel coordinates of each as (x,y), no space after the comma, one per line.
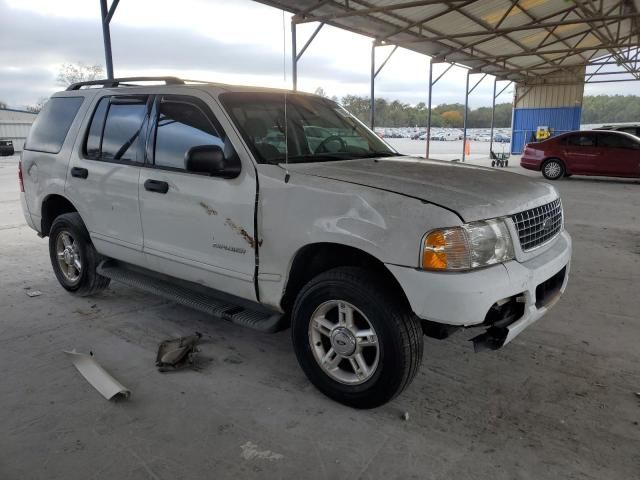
(464,299)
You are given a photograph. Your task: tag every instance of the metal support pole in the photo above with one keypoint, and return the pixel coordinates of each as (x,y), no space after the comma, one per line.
(294,56)
(372,100)
(106,36)
(466,115)
(429,107)
(493,113)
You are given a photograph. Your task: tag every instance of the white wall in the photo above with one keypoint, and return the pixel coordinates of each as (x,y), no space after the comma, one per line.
(14,125)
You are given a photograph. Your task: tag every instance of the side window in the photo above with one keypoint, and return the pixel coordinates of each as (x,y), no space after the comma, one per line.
(116,129)
(181,126)
(94,137)
(52,124)
(581,140)
(617,141)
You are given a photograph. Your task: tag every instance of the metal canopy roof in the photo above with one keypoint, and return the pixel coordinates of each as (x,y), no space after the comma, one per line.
(520,40)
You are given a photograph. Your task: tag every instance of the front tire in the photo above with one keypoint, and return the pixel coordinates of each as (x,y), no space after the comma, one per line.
(357,344)
(553,169)
(73,257)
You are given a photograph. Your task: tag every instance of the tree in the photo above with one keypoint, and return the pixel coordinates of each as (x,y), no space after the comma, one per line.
(3,105)
(79,72)
(320,91)
(452,118)
(38,106)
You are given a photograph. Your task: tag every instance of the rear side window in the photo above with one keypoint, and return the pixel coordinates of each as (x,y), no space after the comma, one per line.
(50,128)
(584,140)
(117,129)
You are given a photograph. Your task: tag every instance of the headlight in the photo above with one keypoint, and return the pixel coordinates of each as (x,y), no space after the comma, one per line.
(472,245)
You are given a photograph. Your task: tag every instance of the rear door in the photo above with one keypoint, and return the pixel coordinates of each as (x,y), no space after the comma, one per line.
(621,154)
(197,227)
(103,176)
(581,153)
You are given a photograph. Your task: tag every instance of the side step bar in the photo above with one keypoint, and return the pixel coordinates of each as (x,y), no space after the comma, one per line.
(195,296)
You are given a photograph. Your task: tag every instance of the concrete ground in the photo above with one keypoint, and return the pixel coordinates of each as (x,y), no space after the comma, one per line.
(557,403)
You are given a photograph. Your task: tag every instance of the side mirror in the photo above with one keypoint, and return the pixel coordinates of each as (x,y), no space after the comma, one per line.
(208,160)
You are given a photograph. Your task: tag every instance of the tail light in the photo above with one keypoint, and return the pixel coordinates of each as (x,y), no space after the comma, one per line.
(20,180)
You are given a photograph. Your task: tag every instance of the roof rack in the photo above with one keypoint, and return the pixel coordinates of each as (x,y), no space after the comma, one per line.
(116,82)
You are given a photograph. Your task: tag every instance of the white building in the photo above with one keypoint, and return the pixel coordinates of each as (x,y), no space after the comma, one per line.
(14,125)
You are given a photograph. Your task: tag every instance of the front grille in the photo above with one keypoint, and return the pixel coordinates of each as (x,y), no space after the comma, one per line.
(538,225)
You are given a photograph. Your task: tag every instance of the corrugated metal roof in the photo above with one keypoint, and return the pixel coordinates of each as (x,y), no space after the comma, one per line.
(521,40)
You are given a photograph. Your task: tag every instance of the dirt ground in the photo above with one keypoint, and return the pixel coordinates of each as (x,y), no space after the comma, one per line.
(559,402)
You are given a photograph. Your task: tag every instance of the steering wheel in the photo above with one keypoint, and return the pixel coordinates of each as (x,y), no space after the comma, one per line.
(332,138)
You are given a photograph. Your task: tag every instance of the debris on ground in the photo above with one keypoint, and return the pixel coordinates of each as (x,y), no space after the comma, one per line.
(176,353)
(33,293)
(405,416)
(638,394)
(97,376)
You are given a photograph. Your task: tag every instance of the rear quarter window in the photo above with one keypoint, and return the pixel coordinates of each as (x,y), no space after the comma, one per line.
(52,124)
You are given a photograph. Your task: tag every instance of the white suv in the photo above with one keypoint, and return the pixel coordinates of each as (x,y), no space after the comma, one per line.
(215,196)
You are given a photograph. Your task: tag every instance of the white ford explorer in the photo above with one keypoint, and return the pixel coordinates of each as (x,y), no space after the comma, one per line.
(269,209)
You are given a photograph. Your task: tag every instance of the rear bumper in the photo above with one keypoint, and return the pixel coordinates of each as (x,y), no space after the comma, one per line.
(465,299)
(530,163)
(26,213)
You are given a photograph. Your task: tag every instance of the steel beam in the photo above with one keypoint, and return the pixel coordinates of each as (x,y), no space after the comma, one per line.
(466,115)
(372,100)
(106,14)
(295,55)
(429,107)
(381,9)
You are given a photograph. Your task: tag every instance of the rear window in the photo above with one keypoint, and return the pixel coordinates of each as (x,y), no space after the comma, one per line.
(52,124)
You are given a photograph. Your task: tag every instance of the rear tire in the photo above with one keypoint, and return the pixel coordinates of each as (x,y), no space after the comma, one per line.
(73,257)
(553,169)
(368,363)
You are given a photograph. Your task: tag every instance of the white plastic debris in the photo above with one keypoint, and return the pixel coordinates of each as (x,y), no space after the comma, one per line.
(97,376)
(33,293)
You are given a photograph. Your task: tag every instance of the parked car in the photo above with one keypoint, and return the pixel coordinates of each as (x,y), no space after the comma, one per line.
(501,138)
(185,191)
(593,152)
(632,129)
(6,148)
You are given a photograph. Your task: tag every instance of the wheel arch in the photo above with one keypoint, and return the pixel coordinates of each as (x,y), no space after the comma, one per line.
(53,206)
(314,259)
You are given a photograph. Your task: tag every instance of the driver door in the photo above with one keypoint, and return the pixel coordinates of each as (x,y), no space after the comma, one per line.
(197,227)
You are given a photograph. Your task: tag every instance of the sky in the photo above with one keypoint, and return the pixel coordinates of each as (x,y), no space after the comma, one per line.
(230,41)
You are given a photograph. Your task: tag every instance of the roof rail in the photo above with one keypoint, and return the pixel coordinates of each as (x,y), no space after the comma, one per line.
(116,82)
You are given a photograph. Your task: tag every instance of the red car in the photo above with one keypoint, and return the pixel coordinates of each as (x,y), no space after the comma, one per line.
(605,153)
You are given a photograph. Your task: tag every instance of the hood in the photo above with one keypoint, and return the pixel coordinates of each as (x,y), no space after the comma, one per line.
(474,193)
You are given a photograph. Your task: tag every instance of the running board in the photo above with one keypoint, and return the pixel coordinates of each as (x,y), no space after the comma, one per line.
(195,296)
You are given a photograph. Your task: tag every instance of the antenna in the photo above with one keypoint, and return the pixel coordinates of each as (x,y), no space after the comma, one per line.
(286,141)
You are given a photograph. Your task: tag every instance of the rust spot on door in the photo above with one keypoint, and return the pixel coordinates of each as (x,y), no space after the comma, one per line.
(208,209)
(242,232)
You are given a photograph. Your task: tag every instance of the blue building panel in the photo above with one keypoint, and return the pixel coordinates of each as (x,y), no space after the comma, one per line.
(527,120)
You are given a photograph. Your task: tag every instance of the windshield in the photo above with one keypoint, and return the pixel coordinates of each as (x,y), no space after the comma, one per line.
(317,129)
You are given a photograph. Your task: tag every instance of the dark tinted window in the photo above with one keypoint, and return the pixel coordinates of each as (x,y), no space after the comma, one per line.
(94,137)
(123,129)
(631,130)
(581,140)
(611,140)
(52,124)
(181,126)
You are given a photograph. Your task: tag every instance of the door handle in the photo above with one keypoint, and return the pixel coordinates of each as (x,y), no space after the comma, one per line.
(157,186)
(79,172)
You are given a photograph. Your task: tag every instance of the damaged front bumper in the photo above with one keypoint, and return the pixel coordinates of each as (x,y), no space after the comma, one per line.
(505,299)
